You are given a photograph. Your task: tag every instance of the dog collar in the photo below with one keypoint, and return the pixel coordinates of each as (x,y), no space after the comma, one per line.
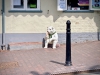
(50,35)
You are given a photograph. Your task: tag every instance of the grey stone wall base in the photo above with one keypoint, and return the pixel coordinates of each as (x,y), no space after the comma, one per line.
(38,37)
(0,39)
(24,47)
(80,37)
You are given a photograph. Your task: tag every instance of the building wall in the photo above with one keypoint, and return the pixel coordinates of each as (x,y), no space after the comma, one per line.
(84,26)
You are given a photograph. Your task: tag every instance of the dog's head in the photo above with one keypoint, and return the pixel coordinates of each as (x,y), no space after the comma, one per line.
(50,30)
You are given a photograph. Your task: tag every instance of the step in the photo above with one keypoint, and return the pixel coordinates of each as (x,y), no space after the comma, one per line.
(24,45)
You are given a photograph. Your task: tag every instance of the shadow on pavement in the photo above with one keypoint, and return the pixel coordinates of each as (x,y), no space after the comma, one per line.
(57,62)
(94,70)
(90,72)
(95,67)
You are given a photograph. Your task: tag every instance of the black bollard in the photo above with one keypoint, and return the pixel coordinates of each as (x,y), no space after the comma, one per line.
(68,44)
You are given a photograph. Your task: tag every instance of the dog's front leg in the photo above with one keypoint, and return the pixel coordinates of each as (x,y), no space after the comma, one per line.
(54,44)
(46,43)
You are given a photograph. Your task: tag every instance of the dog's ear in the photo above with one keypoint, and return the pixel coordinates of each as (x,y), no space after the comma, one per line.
(53,29)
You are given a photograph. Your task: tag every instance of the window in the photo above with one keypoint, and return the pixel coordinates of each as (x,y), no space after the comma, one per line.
(73,5)
(18,4)
(25,4)
(77,4)
(96,4)
(31,3)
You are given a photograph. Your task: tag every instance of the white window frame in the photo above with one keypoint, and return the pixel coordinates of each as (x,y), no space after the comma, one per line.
(25,6)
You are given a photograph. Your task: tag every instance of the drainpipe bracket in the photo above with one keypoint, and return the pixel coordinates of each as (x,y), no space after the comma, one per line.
(3,45)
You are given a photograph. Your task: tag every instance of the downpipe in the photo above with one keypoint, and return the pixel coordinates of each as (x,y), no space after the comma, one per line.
(3,47)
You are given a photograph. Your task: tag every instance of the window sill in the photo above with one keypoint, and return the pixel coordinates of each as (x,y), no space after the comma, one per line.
(25,11)
(78,11)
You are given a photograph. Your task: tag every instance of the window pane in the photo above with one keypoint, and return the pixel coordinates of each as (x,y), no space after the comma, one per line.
(78,4)
(96,4)
(18,3)
(31,3)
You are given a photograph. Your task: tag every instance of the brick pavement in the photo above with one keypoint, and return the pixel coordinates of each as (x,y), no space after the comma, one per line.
(85,56)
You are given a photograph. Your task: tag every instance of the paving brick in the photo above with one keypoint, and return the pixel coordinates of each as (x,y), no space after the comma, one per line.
(85,56)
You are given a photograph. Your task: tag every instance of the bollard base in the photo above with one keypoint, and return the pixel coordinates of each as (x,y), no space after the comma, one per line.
(68,63)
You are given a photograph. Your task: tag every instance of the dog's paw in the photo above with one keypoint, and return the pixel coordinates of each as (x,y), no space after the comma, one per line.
(45,47)
(54,47)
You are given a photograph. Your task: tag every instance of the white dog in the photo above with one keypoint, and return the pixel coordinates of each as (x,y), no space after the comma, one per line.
(51,37)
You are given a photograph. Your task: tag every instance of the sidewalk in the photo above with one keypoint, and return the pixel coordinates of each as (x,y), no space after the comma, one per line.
(85,56)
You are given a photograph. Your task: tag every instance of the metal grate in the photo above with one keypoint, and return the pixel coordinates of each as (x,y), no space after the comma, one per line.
(7,65)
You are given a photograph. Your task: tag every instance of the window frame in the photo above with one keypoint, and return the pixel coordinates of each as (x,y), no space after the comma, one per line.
(25,6)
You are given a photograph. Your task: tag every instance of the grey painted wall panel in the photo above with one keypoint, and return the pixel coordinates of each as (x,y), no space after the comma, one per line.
(37,37)
(24,37)
(79,37)
(0,39)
